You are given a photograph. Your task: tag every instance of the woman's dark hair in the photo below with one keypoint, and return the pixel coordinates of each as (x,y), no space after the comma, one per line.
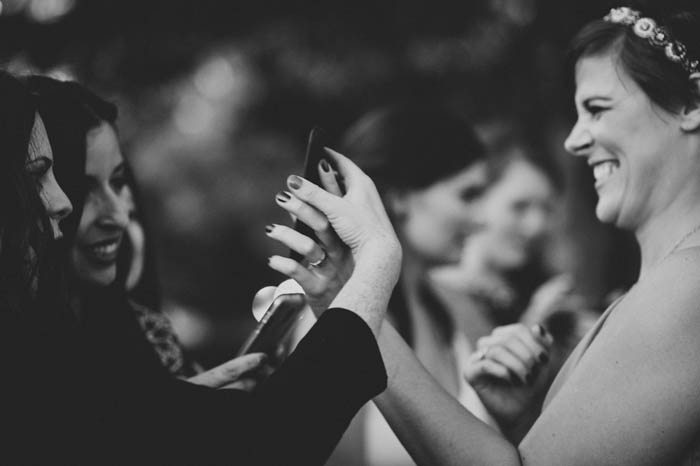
(512,148)
(21,213)
(410,146)
(665,82)
(69,111)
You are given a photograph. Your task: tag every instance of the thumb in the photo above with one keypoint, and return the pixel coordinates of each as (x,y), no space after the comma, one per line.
(229,371)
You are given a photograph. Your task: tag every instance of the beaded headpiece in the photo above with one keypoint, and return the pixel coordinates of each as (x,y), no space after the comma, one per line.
(657,36)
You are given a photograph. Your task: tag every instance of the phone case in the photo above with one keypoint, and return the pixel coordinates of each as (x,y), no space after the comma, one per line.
(275,326)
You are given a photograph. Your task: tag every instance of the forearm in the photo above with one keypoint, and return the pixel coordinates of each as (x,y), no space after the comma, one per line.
(431,424)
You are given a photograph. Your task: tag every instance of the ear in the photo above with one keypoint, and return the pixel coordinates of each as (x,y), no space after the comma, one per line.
(691,112)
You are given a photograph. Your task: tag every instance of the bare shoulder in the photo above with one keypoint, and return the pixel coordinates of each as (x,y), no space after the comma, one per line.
(668,298)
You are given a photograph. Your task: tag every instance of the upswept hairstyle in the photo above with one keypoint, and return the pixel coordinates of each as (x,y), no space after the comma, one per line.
(665,82)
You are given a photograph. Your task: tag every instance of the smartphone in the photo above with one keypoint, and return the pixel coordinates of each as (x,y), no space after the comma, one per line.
(314,153)
(270,335)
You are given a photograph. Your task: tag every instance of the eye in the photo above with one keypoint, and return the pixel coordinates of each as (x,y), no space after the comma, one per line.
(471,193)
(38,168)
(595,110)
(520,206)
(118,182)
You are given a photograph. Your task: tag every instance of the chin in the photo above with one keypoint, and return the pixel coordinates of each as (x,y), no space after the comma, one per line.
(609,214)
(99,277)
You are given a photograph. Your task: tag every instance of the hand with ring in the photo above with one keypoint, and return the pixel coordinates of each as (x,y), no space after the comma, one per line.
(329,261)
(363,253)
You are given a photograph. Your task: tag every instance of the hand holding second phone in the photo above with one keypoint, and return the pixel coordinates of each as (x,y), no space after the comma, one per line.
(241,373)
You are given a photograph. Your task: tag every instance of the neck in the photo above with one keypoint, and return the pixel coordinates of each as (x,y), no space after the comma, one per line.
(412,272)
(674,228)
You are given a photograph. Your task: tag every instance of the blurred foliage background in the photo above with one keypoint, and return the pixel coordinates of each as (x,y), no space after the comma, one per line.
(216,99)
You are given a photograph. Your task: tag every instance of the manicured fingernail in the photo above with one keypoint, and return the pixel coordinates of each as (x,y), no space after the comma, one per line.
(283,196)
(269,228)
(324,166)
(294,182)
(269,260)
(540,330)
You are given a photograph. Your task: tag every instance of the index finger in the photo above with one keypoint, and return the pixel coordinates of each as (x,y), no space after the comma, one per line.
(229,371)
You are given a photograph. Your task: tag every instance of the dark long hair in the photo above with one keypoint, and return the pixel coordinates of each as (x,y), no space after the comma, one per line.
(70,111)
(410,146)
(24,225)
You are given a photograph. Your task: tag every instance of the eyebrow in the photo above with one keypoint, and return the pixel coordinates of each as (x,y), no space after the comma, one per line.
(596,97)
(120,167)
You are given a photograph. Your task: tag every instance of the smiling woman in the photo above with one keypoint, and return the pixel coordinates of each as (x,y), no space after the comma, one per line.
(105,213)
(628,394)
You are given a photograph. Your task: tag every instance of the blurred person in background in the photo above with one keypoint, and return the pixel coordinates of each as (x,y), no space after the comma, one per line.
(504,277)
(503,265)
(503,284)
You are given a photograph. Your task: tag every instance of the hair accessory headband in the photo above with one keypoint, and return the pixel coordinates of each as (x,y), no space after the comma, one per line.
(657,36)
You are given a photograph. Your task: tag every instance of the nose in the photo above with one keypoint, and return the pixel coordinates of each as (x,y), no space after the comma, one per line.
(579,141)
(55,201)
(114,211)
(475,217)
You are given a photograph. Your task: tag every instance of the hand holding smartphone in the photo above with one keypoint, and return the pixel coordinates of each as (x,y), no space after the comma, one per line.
(270,335)
(315,151)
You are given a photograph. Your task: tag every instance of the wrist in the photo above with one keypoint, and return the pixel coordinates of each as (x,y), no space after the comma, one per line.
(367,295)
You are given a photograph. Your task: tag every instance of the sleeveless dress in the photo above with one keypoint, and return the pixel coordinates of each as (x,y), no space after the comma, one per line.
(691,458)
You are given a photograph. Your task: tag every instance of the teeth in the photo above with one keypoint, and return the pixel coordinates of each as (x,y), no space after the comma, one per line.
(106,249)
(602,171)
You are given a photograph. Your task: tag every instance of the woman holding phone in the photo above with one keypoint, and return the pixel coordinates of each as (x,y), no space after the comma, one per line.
(82,389)
(82,129)
(628,393)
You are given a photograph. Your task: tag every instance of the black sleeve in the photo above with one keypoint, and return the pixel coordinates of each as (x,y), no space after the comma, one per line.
(299,414)
(64,403)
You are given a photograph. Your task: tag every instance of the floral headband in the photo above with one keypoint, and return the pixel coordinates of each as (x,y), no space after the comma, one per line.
(657,36)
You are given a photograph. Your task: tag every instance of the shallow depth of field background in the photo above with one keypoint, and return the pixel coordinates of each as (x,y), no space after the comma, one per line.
(216,99)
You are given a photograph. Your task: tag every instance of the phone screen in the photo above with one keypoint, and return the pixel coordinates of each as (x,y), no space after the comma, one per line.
(275,326)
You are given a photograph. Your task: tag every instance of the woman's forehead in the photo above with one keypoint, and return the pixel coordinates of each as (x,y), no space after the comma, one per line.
(39,140)
(601,75)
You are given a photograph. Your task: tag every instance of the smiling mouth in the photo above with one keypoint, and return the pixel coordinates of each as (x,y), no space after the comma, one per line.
(604,170)
(103,252)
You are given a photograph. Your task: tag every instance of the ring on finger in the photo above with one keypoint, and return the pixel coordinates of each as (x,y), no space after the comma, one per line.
(481,354)
(318,262)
